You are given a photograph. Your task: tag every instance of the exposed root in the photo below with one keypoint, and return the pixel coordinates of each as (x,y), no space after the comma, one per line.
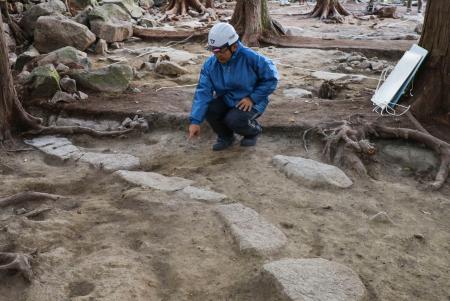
(181,7)
(346,143)
(17,261)
(26,197)
(329,10)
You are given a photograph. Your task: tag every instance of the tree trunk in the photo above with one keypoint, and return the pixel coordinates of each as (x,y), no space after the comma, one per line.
(432,86)
(12,114)
(251,20)
(181,7)
(329,9)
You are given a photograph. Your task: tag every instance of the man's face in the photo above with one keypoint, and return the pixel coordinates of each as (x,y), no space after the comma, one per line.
(224,54)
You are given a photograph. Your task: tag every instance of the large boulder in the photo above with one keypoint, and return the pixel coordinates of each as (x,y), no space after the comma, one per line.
(113,78)
(69,56)
(44,81)
(128,5)
(30,17)
(111,23)
(54,32)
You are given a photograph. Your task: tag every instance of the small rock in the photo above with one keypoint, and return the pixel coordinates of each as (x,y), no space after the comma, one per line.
(101,47)
(419,236)
(61,68)
(69,85)
(170,68)
(82,96)
(24,77)
(115,45)
(61,96)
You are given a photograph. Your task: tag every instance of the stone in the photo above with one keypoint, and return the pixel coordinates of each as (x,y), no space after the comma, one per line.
(327,76)
(60,148)
(24,77)
(82,96)
(251,232)
(153,180)
(110,162)
(79,5)
(54,32)
(294,31)
(30,17)
(311,173)
(101,47)
(83,16)
(69,56)
(67,84)
(148,22)
(202,194)
(355,58)
(297,92)
(408,155)
(170,68)
(12,59)
(113,78)
(111,23)
(101,125)
(61,96)
(181,57)
(146,4)
(44,81)
(25,57)
(127,5)
(10,41)
(314,279)
(419,28)
(61,68)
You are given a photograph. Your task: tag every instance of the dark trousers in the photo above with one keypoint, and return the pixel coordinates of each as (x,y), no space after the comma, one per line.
(225,121)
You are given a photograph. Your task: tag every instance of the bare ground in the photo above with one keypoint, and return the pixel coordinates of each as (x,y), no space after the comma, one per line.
(111,241)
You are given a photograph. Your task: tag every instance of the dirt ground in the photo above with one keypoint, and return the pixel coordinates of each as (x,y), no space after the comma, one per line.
(113,241)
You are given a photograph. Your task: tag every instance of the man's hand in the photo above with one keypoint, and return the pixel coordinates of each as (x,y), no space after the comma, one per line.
(194,131)
(246,104)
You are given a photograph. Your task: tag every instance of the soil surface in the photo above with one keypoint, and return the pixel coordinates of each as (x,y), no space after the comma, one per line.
(112,241)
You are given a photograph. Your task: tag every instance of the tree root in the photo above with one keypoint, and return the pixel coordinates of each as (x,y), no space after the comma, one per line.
(346,143)
(181,7)
(17,261)
(330,9)
(26,197)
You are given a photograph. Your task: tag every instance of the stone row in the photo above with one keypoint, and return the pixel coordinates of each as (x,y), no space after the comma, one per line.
(63,149)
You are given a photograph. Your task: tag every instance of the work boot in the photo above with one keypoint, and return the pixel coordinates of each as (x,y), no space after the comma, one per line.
(223,143)
(249,141)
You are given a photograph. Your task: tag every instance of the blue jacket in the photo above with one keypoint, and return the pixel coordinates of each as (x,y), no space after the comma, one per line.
(247,73)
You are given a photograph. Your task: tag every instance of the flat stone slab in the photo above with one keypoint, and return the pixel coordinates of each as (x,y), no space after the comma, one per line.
(311,173)
(251,231)
(61,148)
(202,194)
(315,280)
(111,162)
(297,92)
(324,75)
(154,180)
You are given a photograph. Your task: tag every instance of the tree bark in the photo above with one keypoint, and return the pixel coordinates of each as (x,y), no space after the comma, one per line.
(12,114)
(181,7)
(329,9)
(432,86)
(251,20)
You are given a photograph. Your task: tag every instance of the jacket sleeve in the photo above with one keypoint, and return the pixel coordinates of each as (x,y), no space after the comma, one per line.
(267,81)
(203,96)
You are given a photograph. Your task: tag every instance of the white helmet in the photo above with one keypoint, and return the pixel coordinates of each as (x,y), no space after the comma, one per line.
(221,35)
